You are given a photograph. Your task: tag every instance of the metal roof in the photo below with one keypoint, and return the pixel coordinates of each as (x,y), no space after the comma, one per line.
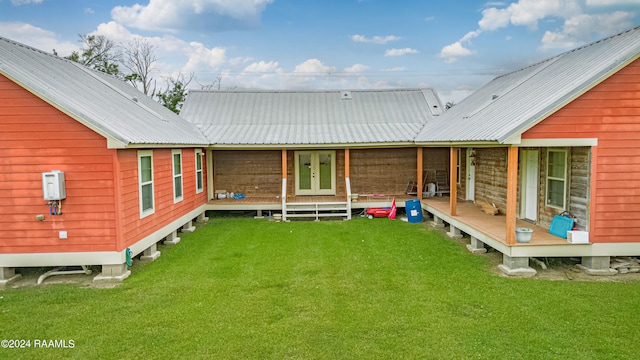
(311,117)
(512,103)
(109,106)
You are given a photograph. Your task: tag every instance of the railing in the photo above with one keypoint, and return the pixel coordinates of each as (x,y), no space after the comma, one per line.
(348,187)
(284,199)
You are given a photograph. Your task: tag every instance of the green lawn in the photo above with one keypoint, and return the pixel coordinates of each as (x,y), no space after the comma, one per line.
(360,289)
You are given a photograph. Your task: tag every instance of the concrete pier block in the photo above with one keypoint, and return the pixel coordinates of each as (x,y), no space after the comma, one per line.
(188,227)
(113,272)
(202,217)
(437,222)
(172,238)
(151,253)
(454,232)
(476,246)
(8,275)
(516,266)
(597,265)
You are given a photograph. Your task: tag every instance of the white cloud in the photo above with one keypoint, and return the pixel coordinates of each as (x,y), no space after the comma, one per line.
(263,67)
(400,52)
(201,15)
(578,29)
(36,37)
(89,11)
(357,68)
(314,66)
(394,69)
(25,2)
(452,52)
(598,3)
(375,39)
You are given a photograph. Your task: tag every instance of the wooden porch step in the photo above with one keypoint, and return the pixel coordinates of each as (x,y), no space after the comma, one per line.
(316,210)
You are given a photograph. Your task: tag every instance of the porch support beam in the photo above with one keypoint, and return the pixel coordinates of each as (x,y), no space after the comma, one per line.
(512,187)
(453,187)
(516,266)
(476,246)
(419,169)
(346,163)
(284,163)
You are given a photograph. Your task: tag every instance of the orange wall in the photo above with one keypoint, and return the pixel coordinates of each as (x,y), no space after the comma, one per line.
(36,138)
(611,113)
(166,211)
(101,210)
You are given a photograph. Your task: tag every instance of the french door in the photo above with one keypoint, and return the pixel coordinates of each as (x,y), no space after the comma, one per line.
(315,172)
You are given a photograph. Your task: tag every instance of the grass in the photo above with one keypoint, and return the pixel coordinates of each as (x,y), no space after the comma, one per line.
(246,289)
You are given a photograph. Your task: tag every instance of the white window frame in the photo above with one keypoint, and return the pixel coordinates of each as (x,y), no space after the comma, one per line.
(146,212)
(563,179)
(199,174)
(177,197)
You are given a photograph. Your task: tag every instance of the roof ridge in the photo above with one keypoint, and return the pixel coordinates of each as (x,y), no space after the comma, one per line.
(562,54)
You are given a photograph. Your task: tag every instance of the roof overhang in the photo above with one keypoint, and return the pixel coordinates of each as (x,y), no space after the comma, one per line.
(311,146)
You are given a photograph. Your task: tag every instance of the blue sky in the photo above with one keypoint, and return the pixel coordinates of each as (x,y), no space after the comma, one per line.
(451,46)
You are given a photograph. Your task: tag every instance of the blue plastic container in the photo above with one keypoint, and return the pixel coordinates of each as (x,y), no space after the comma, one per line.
(560,225)
(414,210)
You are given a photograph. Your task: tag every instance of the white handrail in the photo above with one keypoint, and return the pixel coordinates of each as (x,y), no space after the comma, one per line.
(284,199)
(348,186)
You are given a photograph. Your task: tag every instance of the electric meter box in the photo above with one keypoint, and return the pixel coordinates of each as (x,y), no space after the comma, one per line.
(53,185)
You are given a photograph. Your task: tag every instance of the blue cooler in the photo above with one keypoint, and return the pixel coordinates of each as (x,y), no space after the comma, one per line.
(414,210)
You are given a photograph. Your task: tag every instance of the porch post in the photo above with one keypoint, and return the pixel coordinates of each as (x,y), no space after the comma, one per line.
(453,187)
(284,163)
(284,185)
(419,169)
(346,163)
(512,187)
(209,168)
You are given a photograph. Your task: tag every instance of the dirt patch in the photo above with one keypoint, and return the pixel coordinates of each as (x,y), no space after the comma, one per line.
(30,277)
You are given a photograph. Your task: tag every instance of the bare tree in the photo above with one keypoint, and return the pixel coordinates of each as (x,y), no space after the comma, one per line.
(98,52)
(215,84)
(139,58)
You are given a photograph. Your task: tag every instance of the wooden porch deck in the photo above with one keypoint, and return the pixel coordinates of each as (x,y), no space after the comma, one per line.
(274,202)
(492,231)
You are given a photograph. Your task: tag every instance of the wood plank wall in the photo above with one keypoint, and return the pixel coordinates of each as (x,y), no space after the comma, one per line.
(240,171)
(383,171)
(610,112)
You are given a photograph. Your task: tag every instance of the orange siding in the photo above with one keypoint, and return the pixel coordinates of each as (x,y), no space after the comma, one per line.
(610,112)
(36,138)
(166,211)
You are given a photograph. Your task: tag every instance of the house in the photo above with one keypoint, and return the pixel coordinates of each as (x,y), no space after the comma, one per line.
(310,153)
(557,137)
(561,135)
(91,170)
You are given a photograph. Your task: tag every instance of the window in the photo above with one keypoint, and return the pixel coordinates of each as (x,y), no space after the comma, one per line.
(177,175)
(556,178)
(199,179)
(145,181)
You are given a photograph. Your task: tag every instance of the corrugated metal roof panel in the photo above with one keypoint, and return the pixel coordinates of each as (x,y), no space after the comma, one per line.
(310,117)
(105,104)
(512,103)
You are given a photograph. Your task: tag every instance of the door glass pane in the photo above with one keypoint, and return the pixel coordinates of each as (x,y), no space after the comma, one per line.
(304,171)
(325,171)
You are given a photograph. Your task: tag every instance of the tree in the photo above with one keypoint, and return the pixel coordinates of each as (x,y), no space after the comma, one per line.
(139,58)
(175,94)
(98,53)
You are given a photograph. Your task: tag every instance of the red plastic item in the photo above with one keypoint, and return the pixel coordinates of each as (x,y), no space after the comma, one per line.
(378,212)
